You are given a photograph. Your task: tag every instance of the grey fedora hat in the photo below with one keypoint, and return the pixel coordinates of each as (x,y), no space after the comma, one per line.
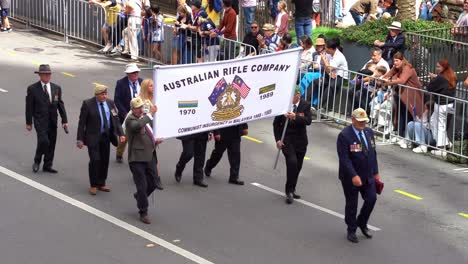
(44,68)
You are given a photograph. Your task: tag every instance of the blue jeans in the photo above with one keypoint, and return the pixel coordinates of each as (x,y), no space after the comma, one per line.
(249,16)
(425,14)
(338,15)
(303,27)
(358,18)
(184,51)
(419,133)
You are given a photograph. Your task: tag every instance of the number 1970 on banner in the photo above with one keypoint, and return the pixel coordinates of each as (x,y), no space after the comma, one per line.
(187,112)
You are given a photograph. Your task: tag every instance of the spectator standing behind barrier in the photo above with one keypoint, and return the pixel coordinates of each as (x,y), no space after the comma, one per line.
(302,18)
(197,13)
(358,172)
(177,43)
(142,157)
(98,127)
(282,19)
(125,89)
(407,101)
(5,12)
(112,12)
(252,39)
(443,83)
(184,39)
(248,9)
(395,42)
(295,141)
(43,100)
(157,34)
(270,41)
(316,9)
(460,29)
(319,64)
(227,29)
(364,10)
(213,8)
(133,9)
(336,70)
(340,10)
(425,10)
(210,46)
(307,54)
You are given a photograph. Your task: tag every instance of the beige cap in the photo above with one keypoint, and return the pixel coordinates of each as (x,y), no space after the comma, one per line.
(395,25)
(136,103)
(360,115)
(319,42)
(268,27)
(99,89)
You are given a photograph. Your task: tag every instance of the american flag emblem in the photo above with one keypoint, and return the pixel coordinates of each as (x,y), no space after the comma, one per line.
(240,85)
(219,88)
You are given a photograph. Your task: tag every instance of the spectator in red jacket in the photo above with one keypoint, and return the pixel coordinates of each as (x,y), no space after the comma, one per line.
(227,28)
(282,19)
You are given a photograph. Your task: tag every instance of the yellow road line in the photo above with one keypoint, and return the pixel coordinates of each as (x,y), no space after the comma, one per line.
(253,139)
(306,158)
(10,53)
(409,195)
(68,74)
(96,83)
(463,214)
(36,63)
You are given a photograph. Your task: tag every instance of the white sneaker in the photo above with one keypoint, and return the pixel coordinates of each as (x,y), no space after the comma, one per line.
(403,144)
(394,140)
(420,149)
(116,50)
(107,48)
(440,153)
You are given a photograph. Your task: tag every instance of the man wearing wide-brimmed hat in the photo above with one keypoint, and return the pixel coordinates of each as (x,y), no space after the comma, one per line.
(43,100)
(394,42)
(358,172)
(98,126)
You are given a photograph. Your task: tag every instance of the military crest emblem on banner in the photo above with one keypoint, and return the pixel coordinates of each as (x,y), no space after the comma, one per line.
(227,99)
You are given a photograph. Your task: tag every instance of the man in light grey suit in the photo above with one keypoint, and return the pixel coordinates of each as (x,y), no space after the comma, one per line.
(142,154)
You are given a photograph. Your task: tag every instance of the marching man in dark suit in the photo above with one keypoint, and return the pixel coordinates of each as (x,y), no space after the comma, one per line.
(43,100)
(228,138)
(99,126)
(126,89)
(358,172)
(142,157)
(294,144)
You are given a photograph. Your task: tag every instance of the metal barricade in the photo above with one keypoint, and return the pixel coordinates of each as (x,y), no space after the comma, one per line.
(428,47)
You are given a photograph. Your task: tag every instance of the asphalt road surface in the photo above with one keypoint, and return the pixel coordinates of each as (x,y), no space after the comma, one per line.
(422,216)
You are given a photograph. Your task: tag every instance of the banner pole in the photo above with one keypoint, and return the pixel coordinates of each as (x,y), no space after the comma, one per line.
(287,119)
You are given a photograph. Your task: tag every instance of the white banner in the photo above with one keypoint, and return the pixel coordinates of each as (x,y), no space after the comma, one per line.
(202,97)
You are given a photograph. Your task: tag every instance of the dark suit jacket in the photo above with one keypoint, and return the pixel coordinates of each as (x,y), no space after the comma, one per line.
(353,163)
(122,97)
(232,132)
(140,145)
(89,125)
(393,47)
(296,130)
(39,110)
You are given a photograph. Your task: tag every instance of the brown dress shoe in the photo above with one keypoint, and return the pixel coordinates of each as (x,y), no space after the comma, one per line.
(145,219)
(93,190)
(104,188)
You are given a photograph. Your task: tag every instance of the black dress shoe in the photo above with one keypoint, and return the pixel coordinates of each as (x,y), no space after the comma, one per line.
(145,219)
(296,196)
(201,184)
(35,167)
(352,237)
(119,159)
(289,198)
(237,182)
(159,186)
(366,232)
(207,172)
(178,176)
(49,170)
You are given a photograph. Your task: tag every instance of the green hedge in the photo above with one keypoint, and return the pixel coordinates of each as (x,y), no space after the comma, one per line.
(368,32)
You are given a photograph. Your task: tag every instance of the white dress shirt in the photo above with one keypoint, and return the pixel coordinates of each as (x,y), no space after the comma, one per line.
(49,91)
(339,62)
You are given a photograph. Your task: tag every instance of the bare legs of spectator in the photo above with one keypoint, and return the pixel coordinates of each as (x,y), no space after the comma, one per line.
(105,35)
(157,52)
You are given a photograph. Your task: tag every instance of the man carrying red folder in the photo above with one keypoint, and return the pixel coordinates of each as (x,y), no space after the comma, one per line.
(358,172)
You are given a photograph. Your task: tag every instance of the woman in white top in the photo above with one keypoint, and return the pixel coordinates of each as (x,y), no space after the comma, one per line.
(282,19)
(306,56)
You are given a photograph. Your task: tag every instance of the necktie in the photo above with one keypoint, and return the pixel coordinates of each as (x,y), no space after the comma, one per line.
(361,138)
(294,108)
(46,93)
(104,118)
(134,89)
(150,134)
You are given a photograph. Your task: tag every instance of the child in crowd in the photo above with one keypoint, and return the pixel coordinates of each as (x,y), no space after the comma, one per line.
(157,32)
(381,104)
(210,46)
